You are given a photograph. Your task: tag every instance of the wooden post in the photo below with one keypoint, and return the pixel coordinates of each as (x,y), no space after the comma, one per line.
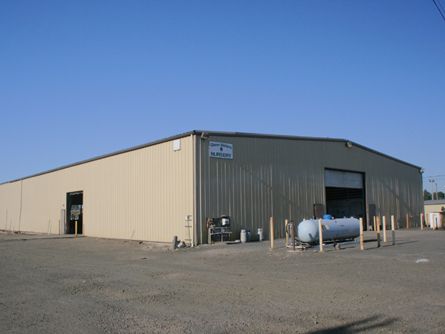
(421,221)
(362,245)
(75,229)
(286,222)
(378,231)
(271,234)
(293,235)
(407,221)
(384,228)
(375,227)
(320,234)
(393,230)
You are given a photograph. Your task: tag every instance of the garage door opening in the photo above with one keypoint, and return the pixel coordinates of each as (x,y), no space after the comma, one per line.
(345,194)
(74,205)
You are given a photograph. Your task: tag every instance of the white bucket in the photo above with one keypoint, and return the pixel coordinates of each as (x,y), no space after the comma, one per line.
(260,234)
(243,236)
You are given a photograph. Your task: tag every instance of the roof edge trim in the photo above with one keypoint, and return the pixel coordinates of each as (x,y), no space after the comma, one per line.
(212,133)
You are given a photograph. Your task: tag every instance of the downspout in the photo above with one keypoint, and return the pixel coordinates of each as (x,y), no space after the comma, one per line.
(203,224)
(200,191)
(195,211)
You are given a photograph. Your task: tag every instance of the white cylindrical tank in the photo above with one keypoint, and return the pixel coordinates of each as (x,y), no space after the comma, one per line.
(243,236)
(260,234)
(333,229)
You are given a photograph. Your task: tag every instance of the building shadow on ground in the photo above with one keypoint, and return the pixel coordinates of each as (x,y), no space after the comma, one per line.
(359,326)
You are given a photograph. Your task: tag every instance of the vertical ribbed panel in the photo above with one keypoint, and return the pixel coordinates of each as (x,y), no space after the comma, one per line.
(145,194)
(142,194)
(285,178)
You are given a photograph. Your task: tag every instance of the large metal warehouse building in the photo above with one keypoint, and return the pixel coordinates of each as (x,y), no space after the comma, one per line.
(145,192)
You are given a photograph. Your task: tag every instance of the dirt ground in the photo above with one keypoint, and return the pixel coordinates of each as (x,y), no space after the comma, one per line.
(89,285)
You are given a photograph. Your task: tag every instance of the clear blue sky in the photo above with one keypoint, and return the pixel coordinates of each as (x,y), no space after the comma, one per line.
(84,78)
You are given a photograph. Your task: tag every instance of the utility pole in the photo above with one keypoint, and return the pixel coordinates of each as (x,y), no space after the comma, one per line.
(433,182)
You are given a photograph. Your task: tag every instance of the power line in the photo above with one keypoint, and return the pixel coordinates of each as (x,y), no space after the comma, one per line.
(439,8)
(440,5)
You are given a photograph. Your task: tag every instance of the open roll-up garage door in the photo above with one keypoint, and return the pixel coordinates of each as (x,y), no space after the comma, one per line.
(345,193)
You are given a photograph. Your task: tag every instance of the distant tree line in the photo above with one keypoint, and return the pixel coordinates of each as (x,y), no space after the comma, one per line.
(429,196)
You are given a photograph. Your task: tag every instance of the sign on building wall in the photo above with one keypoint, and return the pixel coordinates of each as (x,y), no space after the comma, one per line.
(177,145)
(220,150)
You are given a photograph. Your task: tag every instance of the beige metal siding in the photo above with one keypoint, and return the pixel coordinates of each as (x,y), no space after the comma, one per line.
(10,201)
(429,208)
(284,178)
(143,194)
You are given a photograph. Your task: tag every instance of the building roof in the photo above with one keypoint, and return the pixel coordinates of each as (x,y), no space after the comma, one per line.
(218,134)
(435,202)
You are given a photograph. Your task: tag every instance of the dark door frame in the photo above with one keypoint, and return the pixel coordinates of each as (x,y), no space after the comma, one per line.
(365,207)
(68,212)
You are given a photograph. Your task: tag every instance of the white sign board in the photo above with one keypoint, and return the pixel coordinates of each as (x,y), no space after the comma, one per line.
(177,145)
(220,150)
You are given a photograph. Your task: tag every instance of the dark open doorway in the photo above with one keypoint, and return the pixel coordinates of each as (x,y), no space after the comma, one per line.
(345,202)
(74,212)
(345,194)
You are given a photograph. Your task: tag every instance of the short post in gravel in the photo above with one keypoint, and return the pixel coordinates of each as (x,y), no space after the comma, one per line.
(407,221)
(75,229)
(375,225)
(292,234)
(362,245)
(384,228)
(393,230)
(320,234)
(271,234)
(378,231)
(175,242)
(421,221)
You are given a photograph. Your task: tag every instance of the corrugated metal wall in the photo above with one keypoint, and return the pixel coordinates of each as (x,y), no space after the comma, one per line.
(143,194)
(284,178)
